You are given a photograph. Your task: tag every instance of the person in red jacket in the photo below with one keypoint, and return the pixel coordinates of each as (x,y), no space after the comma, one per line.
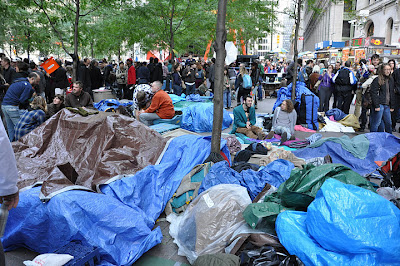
(161,106)
(131,79)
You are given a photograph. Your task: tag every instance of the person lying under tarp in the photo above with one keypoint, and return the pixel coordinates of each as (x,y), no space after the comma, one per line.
(161,106)
(284,121)
(245,119)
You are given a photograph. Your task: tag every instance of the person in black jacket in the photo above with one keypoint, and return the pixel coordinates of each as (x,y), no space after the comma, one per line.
(83,74)
(158,72)
(143,74)
(383,99)
(344,80)
(255,76)
(396,79)
(95,75)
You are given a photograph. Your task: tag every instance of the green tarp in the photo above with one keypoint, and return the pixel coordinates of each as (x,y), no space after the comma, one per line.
(298,192)
(358,146)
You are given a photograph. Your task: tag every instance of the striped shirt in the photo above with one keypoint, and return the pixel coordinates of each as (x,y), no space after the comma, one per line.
(28,122)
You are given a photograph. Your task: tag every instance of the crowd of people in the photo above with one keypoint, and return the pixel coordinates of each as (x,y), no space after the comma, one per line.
(23,85)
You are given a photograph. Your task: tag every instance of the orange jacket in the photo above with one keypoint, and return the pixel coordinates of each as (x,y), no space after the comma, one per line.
(161,104)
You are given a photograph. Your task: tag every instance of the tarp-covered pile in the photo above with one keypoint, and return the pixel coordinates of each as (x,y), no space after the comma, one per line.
(120,221)
(344,225)
(73,152)
(199,118)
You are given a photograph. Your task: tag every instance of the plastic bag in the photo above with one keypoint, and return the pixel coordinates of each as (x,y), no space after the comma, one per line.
(49,259)
(267,256)
(209,222)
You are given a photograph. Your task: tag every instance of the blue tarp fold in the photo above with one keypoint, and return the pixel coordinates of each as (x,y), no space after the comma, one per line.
(274,174)
(382,146)
(344,225)
(199,118)
(120,221)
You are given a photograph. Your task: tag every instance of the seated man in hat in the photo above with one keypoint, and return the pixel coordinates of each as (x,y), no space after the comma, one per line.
(161,106)
(245,119)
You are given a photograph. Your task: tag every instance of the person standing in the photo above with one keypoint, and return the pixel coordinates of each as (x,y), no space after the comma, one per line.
(84,77)
(396,79)
(131,79)
(177,80)
(314,77)
(325,89)
(383,99)
(344,82)
(211,74)
(158,71)
(227,90)
(60,79)
(190,79)
(121,75)
(16,101)
(95,75)
(242,91)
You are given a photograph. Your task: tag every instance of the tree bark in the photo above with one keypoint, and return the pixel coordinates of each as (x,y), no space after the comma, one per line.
(219,47)
(76,33)
(171,34)
(295,51)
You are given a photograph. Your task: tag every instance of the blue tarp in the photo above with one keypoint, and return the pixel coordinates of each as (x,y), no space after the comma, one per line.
(106,104)
(285,93)
(199,118)
(382,146)
(120,221)
(274,174)
(344,225)
(175,98)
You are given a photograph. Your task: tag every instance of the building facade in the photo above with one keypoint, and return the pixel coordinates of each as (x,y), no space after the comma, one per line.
(382,19)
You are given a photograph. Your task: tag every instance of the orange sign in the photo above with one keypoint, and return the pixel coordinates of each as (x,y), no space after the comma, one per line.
(360,54)
(50,65)
(345,54)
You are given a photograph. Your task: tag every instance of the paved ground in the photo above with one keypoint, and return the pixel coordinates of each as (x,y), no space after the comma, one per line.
(166,253)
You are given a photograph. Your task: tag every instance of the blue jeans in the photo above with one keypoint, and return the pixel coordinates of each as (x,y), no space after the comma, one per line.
(12,115)
(190,89)
(280,130)
(382,115)
(177,89)
(227,98)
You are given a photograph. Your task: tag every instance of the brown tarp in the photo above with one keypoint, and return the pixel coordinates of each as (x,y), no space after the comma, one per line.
(69,151)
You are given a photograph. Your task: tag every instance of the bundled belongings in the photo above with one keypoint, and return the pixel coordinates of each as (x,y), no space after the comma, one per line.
(344,225)
(390,170)
(209,222)
(298,192)
(69,151)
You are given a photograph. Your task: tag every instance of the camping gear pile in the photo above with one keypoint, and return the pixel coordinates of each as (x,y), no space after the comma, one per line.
(262,203)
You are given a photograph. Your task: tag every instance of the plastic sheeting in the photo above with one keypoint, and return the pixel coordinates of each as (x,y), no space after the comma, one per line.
(274,174)
(209,222)
(199,118)
(285,93)
(337,114)
(69,151)
(382,146)
(344,225)
(120,221)
(106,104)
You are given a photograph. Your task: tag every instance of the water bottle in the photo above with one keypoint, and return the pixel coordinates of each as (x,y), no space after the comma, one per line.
(3,218)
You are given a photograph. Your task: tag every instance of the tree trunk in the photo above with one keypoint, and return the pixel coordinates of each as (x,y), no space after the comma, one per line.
(295,51)
(76,33)
(219,47)
(171,34)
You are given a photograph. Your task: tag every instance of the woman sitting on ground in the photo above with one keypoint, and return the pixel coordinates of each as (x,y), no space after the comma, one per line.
(31,119)
(55,106)
(284,121)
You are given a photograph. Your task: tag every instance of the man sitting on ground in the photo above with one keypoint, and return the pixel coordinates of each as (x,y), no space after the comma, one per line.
(245,119)
(78,97)
(161,106)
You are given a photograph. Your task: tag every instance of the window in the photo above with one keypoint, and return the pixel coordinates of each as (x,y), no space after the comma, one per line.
(346,29)
(389,30)
(370,29)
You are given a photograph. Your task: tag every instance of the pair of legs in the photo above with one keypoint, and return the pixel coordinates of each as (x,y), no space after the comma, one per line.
(190,89)
(227,98)
(252,132)
(148,118)
(12,115)
(177,89)
(344,100)
(284,132)
(324,97)
(382,115)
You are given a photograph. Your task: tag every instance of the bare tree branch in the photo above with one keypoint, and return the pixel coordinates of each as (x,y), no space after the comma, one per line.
(183,17)
(92,10)
(52,25)
(64,4)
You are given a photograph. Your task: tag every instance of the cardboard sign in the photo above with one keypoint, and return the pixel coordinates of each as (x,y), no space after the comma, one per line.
(50,65)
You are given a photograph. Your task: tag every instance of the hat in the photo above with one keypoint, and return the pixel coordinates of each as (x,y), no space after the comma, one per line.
(129,59)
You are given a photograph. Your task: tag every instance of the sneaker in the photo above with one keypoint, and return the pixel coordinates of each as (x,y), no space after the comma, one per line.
(270,135)
(284,137)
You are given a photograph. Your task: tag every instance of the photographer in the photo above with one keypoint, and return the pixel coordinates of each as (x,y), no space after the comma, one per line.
(121,75)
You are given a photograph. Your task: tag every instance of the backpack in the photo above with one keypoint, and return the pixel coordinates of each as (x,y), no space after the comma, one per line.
(188,190)
(247,83)
(303,76)
(367,99)
(308,113)
(200,74)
